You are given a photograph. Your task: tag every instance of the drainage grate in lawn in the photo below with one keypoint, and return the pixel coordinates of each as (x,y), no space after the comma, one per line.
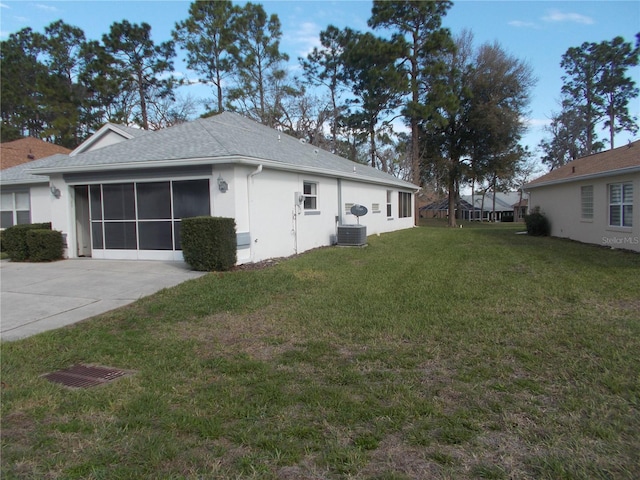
(83,376)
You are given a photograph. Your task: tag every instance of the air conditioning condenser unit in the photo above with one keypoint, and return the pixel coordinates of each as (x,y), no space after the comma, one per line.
(353,235)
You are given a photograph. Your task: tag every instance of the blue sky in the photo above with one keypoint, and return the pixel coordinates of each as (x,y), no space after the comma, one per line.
(536,31)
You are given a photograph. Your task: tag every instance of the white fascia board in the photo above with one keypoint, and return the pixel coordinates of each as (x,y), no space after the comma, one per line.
(218,161)
(592,176)
(35,181)
(324,172)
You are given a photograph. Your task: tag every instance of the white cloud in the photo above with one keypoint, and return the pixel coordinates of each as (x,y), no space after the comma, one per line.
(3,5)
(537,122)
(305,38)
(521,24)
(47,8)
(558,16)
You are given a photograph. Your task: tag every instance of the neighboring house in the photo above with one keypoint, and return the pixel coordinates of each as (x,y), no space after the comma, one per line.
(520,209)
(507,206)
(26,198)
(26,150)
(16,199)
(440,209)
(594,199)
(125,200)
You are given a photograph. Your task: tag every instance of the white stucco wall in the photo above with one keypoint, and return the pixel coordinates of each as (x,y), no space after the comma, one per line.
(40,198)
(62,212)
(561,203)
(263,204)
(279,227)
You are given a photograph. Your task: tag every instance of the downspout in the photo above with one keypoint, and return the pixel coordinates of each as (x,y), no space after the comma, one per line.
(249,179)
(339,216)
(339,201)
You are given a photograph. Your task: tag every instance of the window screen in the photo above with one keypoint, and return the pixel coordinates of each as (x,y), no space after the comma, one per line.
(191,198)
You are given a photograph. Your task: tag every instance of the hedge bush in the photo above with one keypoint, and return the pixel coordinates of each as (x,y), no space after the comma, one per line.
(15,240)
(537,224)
(209,243)
(45,245)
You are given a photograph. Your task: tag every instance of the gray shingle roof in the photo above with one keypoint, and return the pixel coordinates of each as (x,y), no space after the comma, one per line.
(227,136)
(134,132)
(19,175)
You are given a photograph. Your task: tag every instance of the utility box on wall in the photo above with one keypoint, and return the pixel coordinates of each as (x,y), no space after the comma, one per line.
(352,235)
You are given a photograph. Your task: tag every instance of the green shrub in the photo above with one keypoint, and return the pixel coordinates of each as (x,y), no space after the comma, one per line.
(15,240)
(2,249)
(44,245)
(537,224)
(209,243)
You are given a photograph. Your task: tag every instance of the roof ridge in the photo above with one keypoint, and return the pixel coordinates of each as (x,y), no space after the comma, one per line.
(204,124)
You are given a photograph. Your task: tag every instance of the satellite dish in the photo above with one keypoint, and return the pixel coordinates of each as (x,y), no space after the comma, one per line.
(359,211)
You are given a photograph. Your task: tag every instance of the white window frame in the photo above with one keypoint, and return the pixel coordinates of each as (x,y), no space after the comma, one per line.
(310,198)
(586,202)
(624,204)
(404,203)
(389,204)
(10,204)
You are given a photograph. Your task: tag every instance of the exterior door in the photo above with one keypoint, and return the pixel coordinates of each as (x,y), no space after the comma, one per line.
(83,224)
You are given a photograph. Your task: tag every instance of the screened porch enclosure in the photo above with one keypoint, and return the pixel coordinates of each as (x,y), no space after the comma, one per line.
(139,216)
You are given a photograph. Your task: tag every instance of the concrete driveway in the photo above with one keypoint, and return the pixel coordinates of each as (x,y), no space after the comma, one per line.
(36,297)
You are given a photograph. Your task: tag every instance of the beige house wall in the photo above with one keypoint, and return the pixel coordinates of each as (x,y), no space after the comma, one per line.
(561,203)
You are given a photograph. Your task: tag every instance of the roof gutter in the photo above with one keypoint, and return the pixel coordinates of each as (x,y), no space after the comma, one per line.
(593,176)
(24,181)
(255,162)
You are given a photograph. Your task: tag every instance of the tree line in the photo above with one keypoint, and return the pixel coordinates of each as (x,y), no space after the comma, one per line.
(596,93)
(463,105)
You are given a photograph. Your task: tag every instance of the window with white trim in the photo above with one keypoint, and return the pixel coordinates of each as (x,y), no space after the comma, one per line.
(621,204)
(375,208)
(389,193)
(586,202)
(404,204)
(15,209)
(310,191)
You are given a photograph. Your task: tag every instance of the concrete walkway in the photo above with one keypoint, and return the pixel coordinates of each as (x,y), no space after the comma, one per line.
(36,297)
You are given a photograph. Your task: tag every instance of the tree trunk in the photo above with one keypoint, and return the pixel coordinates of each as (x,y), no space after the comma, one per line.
(372,144)
(519,208)
(219,87)
(452,198)
(612,119)
(473,191)
(143,102)
(493,206)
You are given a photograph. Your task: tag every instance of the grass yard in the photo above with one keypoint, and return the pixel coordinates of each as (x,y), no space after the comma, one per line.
(431,353)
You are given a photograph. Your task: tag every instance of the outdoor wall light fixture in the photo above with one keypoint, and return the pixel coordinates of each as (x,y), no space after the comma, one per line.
(222,185)
(55,191)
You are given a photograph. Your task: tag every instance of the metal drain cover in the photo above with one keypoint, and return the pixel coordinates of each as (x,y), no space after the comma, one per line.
(83,376)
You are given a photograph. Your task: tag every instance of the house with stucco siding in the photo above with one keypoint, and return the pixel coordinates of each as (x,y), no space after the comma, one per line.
(593,199)
(122,193)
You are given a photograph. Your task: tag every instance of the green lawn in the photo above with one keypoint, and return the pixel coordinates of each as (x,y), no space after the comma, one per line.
(431,353)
